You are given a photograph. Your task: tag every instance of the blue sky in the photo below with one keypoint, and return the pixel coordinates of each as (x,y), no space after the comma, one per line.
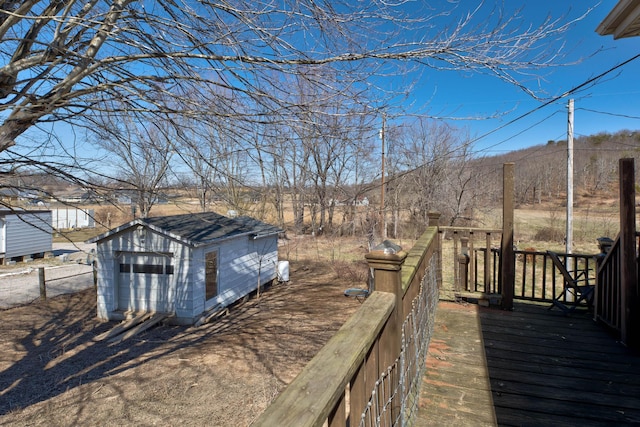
(609,106)
(599,108)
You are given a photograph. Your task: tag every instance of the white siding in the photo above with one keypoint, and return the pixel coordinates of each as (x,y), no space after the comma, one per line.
(130,243)
(240,261)
(27,234)
(145,291)
(65,218)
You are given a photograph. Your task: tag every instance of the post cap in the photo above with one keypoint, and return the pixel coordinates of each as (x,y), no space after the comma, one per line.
(387,247)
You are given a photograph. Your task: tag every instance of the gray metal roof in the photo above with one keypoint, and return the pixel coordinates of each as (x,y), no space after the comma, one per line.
(199,228)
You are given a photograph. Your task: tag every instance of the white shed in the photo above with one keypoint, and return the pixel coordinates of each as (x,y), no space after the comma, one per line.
(183,264)
(70,218)
(24,234)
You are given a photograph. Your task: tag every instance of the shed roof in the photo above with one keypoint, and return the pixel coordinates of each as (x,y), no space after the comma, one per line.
(197,229)
(21,211)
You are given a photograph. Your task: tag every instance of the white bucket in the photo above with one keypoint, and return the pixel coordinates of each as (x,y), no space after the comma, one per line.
(283,271)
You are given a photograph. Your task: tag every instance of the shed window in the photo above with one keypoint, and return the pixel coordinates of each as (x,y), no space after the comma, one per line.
(211,274)
(146,268)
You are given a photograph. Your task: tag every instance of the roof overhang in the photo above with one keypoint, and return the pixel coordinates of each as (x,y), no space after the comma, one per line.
(622,21)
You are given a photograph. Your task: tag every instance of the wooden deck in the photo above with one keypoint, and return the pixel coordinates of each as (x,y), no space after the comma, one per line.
(528,367)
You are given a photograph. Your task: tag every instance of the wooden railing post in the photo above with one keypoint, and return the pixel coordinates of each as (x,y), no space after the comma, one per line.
(487,263)
(434,221)
(463,274)
(387,277)
(472,280)
(630,326)
(463,263)
(507,258)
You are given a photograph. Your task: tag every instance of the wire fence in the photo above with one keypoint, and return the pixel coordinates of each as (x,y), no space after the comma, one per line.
(394,399)
(28,285)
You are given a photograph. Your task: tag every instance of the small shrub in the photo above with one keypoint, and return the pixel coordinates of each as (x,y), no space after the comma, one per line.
(549,234)
(354,271)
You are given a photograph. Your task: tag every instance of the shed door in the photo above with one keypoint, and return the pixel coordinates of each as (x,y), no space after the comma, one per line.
(145,282)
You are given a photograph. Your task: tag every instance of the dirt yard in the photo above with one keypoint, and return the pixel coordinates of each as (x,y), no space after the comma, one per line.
(225,373)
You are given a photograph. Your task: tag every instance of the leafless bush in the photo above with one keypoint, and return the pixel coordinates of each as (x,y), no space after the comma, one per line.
(354,271)
(549,234)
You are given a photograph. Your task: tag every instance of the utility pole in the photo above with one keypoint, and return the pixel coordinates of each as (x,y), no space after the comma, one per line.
(569,233)
(383,216)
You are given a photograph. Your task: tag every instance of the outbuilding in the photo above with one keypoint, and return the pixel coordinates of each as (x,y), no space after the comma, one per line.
(183,264)
(24,234)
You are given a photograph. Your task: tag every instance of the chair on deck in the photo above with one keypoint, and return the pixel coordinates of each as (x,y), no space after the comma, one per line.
(578,288)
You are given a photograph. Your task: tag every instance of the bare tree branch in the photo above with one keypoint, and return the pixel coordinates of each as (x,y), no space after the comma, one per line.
(61,59)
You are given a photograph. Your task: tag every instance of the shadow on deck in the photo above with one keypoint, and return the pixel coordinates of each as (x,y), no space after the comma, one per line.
(528,367)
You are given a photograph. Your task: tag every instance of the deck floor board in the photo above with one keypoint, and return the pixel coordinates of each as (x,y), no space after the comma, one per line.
(527,367)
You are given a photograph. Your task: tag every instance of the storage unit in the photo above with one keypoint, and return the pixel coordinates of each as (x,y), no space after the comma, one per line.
(183,264)
(71,218)
(24,234)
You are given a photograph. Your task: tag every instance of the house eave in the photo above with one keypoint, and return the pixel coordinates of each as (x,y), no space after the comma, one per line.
(623,20)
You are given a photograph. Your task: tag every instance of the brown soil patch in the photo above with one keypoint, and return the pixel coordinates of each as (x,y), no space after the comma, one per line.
(221,374)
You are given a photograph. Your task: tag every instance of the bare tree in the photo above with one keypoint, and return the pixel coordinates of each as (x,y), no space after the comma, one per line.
(290,162)
(68,65)
(141,157)
(196,148)
(461,187)
(426,149)
(62,60)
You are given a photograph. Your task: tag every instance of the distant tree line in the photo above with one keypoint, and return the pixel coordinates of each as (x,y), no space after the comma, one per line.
(541,170)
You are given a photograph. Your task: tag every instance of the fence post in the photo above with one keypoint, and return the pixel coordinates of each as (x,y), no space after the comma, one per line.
(43,287)
(387,277)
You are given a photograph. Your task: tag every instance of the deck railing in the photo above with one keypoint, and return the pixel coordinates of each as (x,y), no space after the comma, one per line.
(468,260)
(477,270)
(369,372)
(538,279)
(617,297)
(610,297)
(607,299)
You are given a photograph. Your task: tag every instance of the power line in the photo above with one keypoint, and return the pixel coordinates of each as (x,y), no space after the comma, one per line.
(526,114)
(522,131)
(555,99)
(626,116)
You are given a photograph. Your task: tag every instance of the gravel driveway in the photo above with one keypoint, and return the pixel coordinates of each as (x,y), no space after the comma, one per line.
(69,270)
